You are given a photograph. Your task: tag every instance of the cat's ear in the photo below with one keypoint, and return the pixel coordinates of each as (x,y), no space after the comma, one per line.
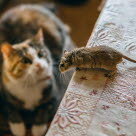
(39,36)
(6,49)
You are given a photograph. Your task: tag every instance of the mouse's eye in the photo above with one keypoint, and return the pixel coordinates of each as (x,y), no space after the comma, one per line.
(62,65)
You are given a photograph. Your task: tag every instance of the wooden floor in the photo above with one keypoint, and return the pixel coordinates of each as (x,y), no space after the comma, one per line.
(81,18)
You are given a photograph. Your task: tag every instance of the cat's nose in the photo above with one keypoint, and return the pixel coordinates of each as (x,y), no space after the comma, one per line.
(38,65)
(39,68)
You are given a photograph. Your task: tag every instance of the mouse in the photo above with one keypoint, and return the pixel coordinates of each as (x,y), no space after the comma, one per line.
(97,57)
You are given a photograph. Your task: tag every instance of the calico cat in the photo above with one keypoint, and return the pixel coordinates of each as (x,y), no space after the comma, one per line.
(32,41)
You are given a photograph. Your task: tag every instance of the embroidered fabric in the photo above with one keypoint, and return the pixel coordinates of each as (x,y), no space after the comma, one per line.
(94,105)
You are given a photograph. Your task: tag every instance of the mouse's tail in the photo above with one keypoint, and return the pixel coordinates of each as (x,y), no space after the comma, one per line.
(129,59)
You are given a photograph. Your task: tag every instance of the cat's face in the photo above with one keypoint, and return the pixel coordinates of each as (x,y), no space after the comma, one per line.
(28,62)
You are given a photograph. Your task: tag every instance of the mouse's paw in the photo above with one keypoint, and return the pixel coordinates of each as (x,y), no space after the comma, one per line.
(110,74)
(83,69)
(78,69)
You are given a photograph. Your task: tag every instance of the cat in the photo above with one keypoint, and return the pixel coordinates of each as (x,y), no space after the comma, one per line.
(32,42)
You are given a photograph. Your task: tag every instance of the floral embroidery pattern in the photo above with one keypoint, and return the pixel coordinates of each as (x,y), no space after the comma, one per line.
(83,78)
(68,113)
(125,85)
(104,124)
(133,101)
(130,47)
(125,88)
(134,134)
(99,37)
(94,92)
(105,107)
(115,30)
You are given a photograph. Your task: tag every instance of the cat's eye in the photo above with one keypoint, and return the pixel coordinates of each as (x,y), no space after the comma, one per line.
(26,60)
(40,54)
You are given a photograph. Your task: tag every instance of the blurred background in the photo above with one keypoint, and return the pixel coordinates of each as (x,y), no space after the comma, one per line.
(80,15)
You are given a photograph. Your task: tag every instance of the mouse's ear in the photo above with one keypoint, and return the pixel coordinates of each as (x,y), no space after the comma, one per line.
(65,52)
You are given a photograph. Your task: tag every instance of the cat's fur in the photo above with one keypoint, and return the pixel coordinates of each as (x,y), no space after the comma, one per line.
(30,91)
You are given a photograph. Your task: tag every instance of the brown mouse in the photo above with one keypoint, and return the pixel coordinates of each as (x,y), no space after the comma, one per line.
(100,57)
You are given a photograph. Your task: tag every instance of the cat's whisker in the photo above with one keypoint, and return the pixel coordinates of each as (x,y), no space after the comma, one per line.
(58,74)
(66,76)
(29,81)
(56,71)
(63,77)
(26,84)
